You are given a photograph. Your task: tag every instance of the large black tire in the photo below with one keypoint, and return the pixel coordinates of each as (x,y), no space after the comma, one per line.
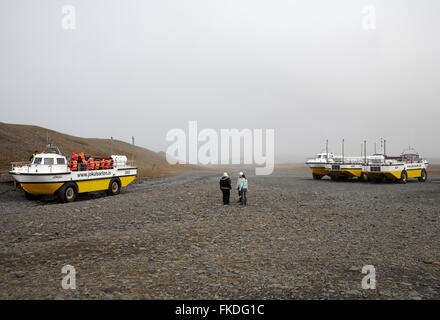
(67,193)
(424,176)
(403,177)
(30,196)
(114,187)
(316,176)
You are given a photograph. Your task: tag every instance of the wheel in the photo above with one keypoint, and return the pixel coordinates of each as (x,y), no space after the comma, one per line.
(114,187)
(30,196)
(67,193)
(403,177)
(424,176)
(316,176)
(363,177)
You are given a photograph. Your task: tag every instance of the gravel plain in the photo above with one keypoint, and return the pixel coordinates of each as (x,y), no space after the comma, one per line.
(172,238)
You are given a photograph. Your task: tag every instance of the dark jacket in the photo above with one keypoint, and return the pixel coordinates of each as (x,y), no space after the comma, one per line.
(225,183)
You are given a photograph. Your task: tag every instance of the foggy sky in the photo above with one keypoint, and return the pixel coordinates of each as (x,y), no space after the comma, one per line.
(304,68)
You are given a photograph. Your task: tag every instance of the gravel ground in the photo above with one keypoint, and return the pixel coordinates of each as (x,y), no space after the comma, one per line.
(172,238)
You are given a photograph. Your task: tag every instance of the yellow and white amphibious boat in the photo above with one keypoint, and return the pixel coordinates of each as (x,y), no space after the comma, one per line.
(345,167)
(320,165)
(401,168)
(50,173)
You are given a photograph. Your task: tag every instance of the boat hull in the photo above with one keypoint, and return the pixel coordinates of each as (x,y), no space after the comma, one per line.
(86,181)
(345,170)
(318,168)
(394,171)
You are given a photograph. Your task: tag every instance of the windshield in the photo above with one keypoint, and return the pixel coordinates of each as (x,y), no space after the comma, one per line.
(48,160)
(37,160)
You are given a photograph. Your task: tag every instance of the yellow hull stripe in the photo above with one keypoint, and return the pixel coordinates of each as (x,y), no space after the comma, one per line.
(125,181)
(320,171)
(353,172)
(93,185)
(414,173)
(396,174)
(83,186)
(41,188)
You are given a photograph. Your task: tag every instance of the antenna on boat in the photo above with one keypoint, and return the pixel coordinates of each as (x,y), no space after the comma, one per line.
(326,147)
(132,153)
(343,150)
(365,151)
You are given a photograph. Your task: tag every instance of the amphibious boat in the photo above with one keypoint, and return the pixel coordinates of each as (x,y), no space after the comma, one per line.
(52,174)
(408,165)
(345,167)
(320,165)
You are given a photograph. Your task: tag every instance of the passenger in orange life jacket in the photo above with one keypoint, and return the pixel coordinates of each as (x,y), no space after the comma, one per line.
(91,164)
(80,163)
(83,161)
(74,162)
(97,164)
(106,163)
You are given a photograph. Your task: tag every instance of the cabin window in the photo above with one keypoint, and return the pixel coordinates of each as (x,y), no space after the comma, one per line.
(60,161)
(48,160)
(37,160)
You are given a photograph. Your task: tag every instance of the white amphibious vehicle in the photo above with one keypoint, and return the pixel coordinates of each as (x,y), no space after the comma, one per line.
(319,164)
(336,167)
(407,165)
(345,168)
(49,173)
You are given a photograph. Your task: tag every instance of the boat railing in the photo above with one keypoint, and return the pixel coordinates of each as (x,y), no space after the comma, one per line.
(20,164)
(108,165)
(349,160)
(25,167)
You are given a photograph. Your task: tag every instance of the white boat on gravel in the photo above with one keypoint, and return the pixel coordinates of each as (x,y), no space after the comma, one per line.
(51,173)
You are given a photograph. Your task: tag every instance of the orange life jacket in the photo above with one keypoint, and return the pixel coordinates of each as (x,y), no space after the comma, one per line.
(74,165)
(84,161)
(106,164)
(97,164)
(91,165)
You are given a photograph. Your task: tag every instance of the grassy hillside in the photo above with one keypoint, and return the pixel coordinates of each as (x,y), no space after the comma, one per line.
(18,142)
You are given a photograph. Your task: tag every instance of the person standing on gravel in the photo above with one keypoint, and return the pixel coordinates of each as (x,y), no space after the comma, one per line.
(243,189)
(225,187)
(238,186)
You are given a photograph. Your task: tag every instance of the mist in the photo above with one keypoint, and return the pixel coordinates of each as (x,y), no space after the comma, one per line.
(307,69)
